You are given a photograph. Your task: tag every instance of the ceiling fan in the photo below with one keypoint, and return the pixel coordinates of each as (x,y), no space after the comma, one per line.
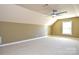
(54,12)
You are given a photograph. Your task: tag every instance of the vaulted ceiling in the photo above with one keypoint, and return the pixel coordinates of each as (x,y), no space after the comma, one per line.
(46,9)
(72,9)
(36,13)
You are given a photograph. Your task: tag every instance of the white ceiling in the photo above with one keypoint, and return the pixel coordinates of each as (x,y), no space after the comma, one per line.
(36,13)
(14,13)
(41,8)
(72,10)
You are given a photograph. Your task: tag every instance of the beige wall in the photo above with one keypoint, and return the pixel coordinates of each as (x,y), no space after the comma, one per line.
(11,32)
(75,27)
(56,28)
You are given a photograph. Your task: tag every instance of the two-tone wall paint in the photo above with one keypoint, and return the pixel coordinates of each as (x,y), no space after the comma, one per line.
(11,32)
(18,23)
(56,28)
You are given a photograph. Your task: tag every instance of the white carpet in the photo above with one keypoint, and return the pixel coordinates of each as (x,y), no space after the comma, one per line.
(44,46)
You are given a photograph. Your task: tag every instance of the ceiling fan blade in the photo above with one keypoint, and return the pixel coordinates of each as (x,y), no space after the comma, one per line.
(61,12)
(53,14)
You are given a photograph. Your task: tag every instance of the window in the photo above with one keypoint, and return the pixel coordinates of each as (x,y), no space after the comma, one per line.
(67,27)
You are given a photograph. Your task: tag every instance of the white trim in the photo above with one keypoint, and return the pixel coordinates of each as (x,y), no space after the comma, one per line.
(12,43)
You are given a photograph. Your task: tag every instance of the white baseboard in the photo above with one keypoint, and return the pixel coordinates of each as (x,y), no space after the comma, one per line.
(12,43)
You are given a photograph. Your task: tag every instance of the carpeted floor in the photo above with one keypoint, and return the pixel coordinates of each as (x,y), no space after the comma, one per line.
(44,46)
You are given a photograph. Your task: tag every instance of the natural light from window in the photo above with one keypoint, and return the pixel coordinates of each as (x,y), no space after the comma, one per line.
(67,27)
